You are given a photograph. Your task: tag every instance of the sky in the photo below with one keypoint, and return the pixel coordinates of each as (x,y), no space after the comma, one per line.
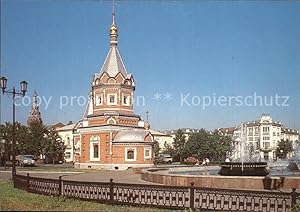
(188,58)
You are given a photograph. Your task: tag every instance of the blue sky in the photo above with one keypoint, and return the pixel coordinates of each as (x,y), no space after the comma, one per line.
(194,48)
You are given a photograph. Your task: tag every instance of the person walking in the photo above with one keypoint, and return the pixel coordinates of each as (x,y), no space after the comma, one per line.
(207,162)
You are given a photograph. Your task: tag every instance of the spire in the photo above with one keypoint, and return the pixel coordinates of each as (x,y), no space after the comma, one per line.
(147,125)
(35,114)
(35,100)
(113,29)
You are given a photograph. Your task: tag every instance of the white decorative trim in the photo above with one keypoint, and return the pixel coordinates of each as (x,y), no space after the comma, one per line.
(134,153)
(111,119)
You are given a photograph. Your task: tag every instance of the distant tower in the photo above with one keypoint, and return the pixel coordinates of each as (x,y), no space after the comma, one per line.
(35,114)
(147,125)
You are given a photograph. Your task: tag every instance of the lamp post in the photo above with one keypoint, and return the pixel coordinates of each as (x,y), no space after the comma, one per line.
(14,92)
(281,153)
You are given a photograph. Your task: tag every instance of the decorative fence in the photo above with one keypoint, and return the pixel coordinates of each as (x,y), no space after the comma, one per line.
(172,197)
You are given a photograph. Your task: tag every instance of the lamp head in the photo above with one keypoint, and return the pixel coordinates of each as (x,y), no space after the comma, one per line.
(23,87)
(3,83)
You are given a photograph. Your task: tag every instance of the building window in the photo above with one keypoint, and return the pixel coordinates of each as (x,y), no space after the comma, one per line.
(126,100)
(67,155)
(68,140)
(112,99)
(266,145)
(147,153)
(256,130)
(130,154)
(266,138)
(99,100)
(250,131)
(94,148)
(266,130)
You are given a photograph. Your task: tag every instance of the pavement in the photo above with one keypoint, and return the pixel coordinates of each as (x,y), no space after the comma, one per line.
(118,176)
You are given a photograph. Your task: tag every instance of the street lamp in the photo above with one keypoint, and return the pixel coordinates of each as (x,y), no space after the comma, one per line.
(281,153)
(14,92)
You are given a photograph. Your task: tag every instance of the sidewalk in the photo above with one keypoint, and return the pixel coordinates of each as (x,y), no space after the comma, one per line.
(126,176)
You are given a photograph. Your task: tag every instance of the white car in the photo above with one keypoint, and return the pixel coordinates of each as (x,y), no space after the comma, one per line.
(26,160)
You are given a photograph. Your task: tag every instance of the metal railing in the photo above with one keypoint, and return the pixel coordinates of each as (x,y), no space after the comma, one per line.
(161,196)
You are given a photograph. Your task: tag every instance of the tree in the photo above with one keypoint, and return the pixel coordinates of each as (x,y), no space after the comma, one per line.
(53,148)
(37,134)
(156,148)
(21,138)
(168,149)
(283,148)
(179,144)
(208,145)
(35,140)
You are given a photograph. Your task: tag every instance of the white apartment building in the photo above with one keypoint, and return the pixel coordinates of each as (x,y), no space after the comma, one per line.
(264,135)
(66,134)
(163,139)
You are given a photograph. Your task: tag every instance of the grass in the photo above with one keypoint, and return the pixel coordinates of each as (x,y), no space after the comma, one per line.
(12,199)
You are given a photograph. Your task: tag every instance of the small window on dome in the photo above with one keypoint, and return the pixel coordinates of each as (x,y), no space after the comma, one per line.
(99,100)
(126,100)
(112,99)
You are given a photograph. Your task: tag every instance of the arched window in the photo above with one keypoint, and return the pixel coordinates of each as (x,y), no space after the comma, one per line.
(94,148)
(130,154)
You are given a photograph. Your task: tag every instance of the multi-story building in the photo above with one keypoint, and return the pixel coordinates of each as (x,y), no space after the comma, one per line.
(186,131)
(66,134)
(226,131)
(110,135)
(264,135)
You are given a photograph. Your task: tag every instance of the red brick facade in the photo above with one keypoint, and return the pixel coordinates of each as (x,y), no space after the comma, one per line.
(110,134)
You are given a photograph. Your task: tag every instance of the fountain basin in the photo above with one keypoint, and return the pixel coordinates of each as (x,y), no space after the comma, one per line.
(208,177)
(244,169)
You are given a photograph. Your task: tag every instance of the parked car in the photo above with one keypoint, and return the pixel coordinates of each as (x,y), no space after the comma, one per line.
(163,158)
(25,160)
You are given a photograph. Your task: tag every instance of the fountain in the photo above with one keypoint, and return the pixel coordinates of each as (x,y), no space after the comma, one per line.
(247,170)
(245,163)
